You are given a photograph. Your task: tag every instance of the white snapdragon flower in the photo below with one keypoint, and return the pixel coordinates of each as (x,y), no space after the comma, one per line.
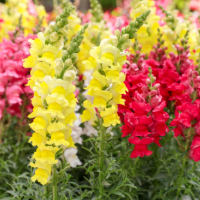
(89,130)
(77,130)
(71,157)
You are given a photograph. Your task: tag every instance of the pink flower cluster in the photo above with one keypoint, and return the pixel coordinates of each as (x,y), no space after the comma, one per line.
(13,76)
(113,22)
(194,5)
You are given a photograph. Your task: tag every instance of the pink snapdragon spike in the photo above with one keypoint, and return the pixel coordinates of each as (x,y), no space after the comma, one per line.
(31,8)
(13,76)
(115,22)
(164,4)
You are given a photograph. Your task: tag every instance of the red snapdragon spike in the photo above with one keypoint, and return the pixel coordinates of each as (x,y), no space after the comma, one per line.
(189,108)
(140,148)
(145,118)
(184,115)
(195,149)
(197,128)
(182,119)
(195,154)
(126,130)
(178,131)
(140,108)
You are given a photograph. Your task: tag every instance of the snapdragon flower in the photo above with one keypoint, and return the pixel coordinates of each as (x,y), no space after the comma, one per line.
(106,87)
(54,100)
(96,32)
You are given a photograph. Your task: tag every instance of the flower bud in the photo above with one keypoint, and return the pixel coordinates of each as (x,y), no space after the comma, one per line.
(70,75)
(74,57)
(113,40)
(59,24)
(68,62)
(54,37)
(117,33)
(157,85)
(137,52)
(126,36)
(148,81)
(59,66)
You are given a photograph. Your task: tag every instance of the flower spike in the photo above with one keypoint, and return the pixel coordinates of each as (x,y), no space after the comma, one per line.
(54,101)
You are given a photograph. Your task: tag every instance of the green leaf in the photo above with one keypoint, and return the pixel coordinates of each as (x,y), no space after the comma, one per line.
(104,182)
(118,193)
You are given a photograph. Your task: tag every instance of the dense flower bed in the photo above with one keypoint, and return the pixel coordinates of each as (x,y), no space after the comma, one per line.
(110,99)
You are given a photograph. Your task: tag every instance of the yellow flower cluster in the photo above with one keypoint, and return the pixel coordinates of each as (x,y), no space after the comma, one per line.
(173,31)
(94,34)
(13,10)
(54,102)
(147,35)
(107,85)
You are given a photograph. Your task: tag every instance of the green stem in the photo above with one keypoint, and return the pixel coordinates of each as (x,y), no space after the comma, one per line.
(1,132)
(184,161)
(101,158)
(181,175)
(46,191)
(2,125)
(55,189)
(135,165)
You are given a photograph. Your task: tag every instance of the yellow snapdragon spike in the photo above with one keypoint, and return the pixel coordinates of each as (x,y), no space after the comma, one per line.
(58,138)
(37,139)
(107,85)
(41,175)
(54,103)
(172,32)
(96,32)
(110,116)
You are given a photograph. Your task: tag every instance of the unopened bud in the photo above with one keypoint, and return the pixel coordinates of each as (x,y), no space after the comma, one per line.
(59,66)
(157,85)
(128,29)
(117,33)
(68,62)
(137,52)
(59,24)
(126,36)
(70,75)
(54,37)
(148,81)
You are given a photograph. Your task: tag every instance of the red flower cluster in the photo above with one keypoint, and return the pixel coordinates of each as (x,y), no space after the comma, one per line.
(173,83)
(145,117)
